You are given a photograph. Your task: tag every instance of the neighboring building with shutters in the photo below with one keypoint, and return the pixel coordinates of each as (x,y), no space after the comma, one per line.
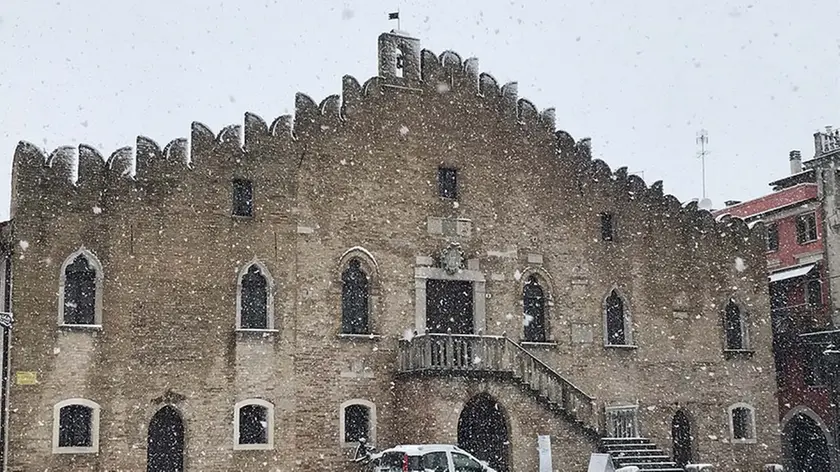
(424,259)
(799,268)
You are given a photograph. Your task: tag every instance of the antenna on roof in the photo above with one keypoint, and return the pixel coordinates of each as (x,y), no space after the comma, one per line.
(702,140)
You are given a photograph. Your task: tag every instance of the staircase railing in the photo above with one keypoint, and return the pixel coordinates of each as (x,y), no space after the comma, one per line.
(477,354)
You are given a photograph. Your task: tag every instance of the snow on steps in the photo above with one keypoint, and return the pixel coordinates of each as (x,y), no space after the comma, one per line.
(639,452)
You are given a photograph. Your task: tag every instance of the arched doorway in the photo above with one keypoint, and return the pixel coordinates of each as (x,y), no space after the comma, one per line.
(806,447)
(483,431)
(681,436)
(165,451)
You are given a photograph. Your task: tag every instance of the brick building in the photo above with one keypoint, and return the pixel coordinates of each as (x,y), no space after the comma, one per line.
(423,259)
(799,283)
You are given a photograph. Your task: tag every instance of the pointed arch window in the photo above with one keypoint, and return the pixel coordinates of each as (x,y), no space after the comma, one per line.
(80,291)
(616,321)
(355,299)
(735,327)
(254,299)
(533,300)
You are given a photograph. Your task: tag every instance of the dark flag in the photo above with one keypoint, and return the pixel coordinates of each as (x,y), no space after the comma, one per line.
(394,16)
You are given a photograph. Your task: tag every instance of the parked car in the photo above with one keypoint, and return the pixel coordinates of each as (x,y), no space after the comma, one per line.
(425,458)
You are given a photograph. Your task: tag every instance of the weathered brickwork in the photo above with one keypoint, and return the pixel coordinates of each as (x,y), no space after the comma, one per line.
(360,170)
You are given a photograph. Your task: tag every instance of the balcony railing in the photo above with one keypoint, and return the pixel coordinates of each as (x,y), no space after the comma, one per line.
(826,142)
(446,354)
(798,319)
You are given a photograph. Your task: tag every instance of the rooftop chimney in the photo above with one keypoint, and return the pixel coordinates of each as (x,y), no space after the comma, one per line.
(795,162)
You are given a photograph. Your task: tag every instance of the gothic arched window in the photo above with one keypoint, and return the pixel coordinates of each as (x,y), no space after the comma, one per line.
(254,298)
(80,293)
(533,300)
(355,299)
(616,321)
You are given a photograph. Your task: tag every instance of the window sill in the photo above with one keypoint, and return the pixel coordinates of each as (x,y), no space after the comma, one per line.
(733,353)
(371,336)
(75,450)
(538,343)
(242,217)
(354,445)
(628,347)
(257,330)
(253,447)
(80,327)
(743,441)
(805,243)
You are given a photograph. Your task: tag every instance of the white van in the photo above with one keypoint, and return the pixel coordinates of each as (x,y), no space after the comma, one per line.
(426,458)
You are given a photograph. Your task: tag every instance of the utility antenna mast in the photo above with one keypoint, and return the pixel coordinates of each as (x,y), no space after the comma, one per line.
(703,140)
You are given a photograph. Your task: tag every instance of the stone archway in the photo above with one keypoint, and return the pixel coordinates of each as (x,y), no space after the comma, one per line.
(483,431)
(165,451)
(805,446)
(681,436)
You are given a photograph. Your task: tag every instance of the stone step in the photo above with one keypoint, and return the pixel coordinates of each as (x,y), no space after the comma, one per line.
(624,447)
(648,465)
(638,452)
(626,440)
(642,458)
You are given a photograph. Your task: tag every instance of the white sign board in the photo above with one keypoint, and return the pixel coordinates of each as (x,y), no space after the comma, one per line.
(600,463)
(544,448)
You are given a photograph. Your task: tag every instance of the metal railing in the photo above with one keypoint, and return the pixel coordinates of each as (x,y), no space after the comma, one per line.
(477,354)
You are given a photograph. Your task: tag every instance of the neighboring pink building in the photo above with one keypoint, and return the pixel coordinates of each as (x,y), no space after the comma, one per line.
(798,277)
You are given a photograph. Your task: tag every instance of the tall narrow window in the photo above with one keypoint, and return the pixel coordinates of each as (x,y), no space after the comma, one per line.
(448,182)
(79,292)
(76,426)
(355,299)
(773,237)
(734,326)
(616,323)
(400,63)
(607,230)
(806,228)
(814,293)
(243,198)
(255,298)
(356,423)
(253,424)
(533,300)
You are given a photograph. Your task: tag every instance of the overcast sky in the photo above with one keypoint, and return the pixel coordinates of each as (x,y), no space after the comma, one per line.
(640,78)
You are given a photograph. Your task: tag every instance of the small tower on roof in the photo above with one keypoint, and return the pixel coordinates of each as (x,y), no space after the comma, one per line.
(399,56)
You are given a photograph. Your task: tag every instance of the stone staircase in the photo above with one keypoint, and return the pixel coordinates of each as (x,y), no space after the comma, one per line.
(639,452)
(499,357)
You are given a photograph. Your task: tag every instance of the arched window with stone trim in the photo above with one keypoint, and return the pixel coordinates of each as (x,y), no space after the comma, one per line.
(355,299)
(254,298)
(253,425)
(75,426)
(80,290)
(735,327)
(617,325)
(534,308)
(357,420)
(742,422)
